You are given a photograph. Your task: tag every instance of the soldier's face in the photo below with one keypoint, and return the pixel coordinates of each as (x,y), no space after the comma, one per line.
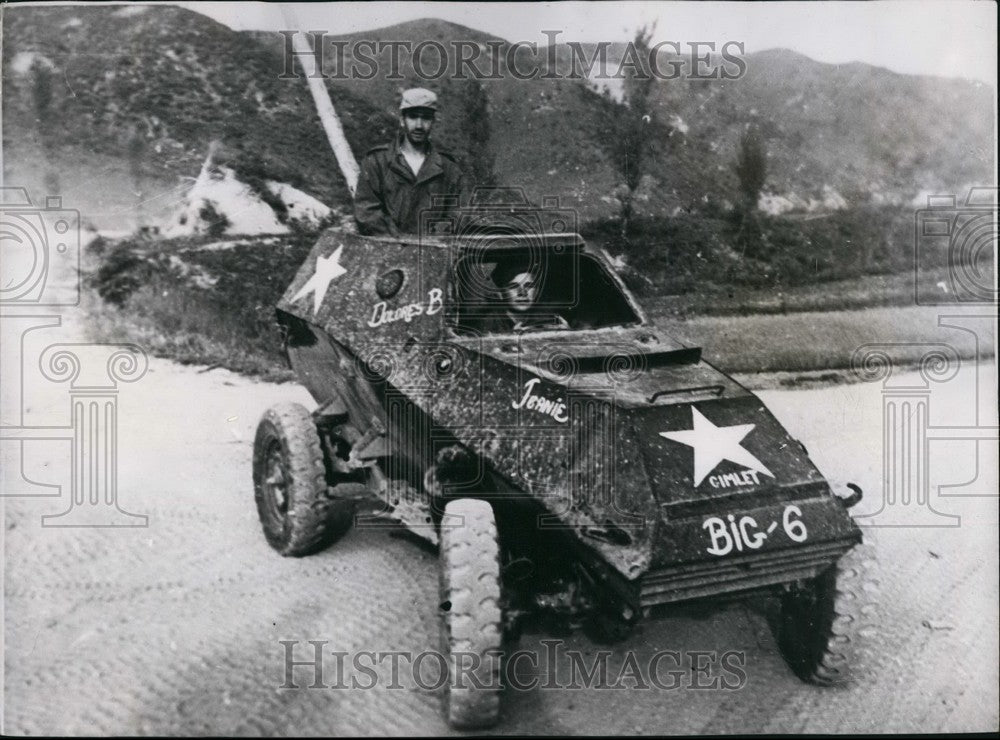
(521,292)
(417,125)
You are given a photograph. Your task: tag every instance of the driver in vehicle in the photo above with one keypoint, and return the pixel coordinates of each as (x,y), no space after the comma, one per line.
(519,287)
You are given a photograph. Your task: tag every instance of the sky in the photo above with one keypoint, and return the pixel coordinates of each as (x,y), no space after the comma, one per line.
(948,38)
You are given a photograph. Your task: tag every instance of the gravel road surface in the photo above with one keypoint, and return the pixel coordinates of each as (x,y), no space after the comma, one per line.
(174,628)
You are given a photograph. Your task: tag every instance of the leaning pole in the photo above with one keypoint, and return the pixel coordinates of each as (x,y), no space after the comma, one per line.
(324,106)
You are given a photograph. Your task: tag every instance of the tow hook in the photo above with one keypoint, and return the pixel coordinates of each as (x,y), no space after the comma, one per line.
(850,498)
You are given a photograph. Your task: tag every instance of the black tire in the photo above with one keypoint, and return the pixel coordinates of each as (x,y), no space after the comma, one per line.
(823,629)
(290,485)
(471,618)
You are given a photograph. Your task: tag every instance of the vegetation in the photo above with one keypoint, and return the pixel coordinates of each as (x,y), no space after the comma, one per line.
(217,222)
(186,80)
(41,91)
(136,152)
(215,307)
(183,81)
(693,252)
(751,168)
(631,131)
(480,161)
(668,184)
(212,302)
(751,171)
(199,300)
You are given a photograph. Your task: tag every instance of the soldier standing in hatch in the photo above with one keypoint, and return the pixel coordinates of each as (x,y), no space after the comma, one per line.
(400,180)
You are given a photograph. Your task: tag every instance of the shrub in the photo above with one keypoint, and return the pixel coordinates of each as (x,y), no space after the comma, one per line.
(700,251)
(217,221)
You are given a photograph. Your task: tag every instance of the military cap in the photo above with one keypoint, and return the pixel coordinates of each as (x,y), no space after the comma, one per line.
(418,97)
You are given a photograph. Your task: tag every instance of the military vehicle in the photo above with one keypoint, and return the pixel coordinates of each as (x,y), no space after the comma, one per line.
(587,470)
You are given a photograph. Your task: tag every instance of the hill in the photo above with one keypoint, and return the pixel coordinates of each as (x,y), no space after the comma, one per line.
(121,104)
(138,93)
(866,133)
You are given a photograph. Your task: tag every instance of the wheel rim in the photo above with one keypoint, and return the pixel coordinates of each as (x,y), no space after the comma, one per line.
(276,481)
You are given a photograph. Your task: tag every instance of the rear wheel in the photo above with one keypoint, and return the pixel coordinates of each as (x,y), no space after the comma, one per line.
(297,513)
(823,626)
(471,626)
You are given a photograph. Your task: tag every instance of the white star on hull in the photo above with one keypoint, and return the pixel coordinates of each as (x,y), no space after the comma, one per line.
(714,444)
(327,270)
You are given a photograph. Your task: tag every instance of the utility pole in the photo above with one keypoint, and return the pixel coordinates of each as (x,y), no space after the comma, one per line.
(324,106)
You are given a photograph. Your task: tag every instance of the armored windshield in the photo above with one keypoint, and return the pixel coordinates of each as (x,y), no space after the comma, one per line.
(505,291)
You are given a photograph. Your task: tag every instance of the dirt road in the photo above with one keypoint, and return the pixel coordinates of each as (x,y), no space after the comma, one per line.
(174,628)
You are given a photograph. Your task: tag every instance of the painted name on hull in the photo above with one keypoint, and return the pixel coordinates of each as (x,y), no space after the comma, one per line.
(534,402)
(382,314)
(744,533)
(728,480)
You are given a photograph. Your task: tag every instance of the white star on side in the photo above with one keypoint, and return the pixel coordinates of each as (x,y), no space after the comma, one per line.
(327,269)
(714,444)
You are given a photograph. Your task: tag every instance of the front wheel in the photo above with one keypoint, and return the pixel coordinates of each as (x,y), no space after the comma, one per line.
(824,625)
(471,627)
(290,484)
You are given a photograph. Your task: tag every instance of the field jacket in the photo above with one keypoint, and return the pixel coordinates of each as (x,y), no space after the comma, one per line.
(390,199)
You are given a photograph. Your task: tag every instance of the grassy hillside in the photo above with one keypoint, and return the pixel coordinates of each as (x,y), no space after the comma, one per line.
(144,89)
(115,107)
(867,132)
(198,300)
(150,90)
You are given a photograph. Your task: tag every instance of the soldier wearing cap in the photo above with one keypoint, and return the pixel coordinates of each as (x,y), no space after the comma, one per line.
(519,285)
(399,181)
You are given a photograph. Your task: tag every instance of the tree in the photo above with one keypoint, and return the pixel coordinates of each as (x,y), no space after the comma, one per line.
(635,130)
(751,168)
(482,162)
(41,91)
(751,171)
(136,149)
